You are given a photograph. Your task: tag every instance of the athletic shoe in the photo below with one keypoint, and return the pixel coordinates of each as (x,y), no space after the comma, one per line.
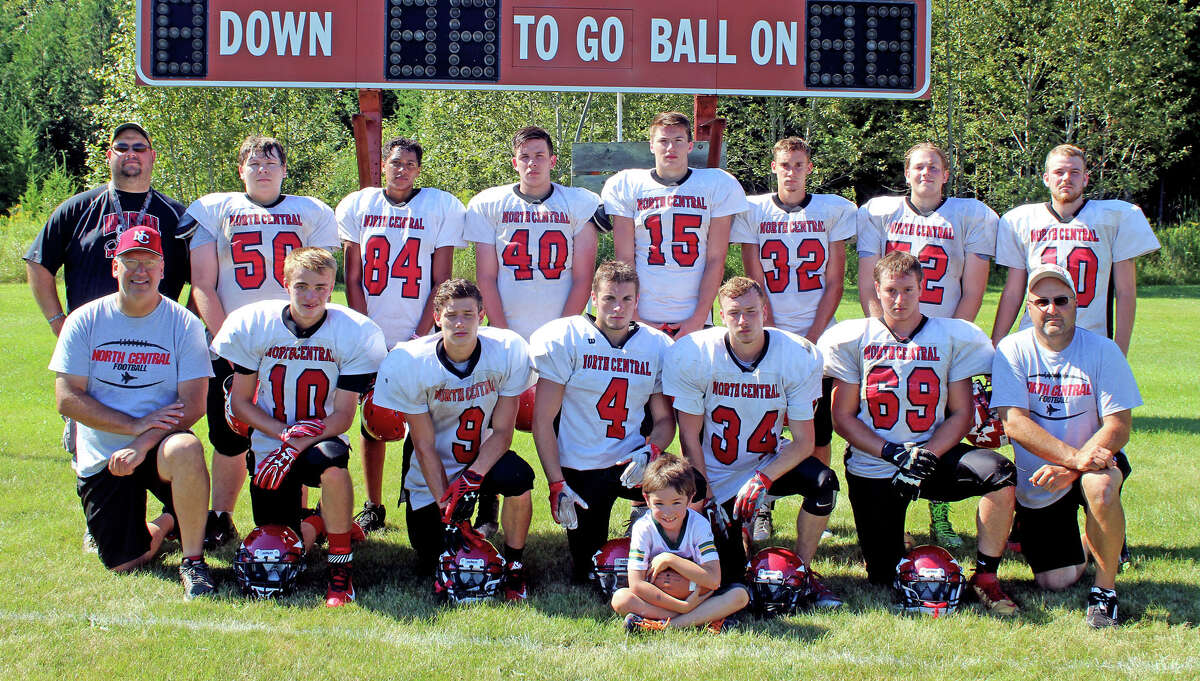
(218,530)
(939,526)
(371,517)
(341,585)
(636,624)
(357,536)
(89,543)
(635,511)
(514,581)
(196,579)
(763,527)
(819,595)
(723,625)
(487,521)
(825,534)
(1101,610)
(987,589)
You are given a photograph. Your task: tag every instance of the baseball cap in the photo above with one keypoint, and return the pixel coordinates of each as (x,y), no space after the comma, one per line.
(130,126)
(140,239)
(1049,271)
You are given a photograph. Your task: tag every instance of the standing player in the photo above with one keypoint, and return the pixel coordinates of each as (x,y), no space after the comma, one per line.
(601,372)
(902,401)
(1096,241)
(299,369)
(238,244)
(794,246)
(131,371)
(953,239)
(459,389)
(672,223)
(535,243)
(733,386)
(399,243)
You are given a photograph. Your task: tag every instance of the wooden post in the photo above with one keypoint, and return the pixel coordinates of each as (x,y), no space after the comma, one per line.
(708,128)
(368,137)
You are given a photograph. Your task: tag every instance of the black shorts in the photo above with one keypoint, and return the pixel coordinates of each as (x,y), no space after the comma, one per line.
(1050,535)
(823,415)
(114,507)
(281,506)
(224,441)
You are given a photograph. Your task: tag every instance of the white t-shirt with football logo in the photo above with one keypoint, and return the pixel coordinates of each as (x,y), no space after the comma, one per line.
(132,364)
(417,377)
(396,242)
(903,384)
(670,228)
(1067,393)
(743,405)
(942,241)
(1087,245)
(606,387)
(535,247)
(252,241)
(793,247)
(298,377)
(647,540)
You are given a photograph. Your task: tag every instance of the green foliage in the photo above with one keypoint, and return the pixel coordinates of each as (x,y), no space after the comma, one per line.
(1178,262)
(22,223)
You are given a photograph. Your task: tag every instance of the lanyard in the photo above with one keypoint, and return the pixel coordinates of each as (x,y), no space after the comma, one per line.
(116,199)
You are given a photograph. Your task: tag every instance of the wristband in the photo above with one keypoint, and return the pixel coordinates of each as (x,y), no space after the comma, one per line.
(55,318)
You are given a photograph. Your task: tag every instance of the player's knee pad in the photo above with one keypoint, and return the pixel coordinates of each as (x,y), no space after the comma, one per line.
(510,477)
(824,496)
(990,470)
(326,454)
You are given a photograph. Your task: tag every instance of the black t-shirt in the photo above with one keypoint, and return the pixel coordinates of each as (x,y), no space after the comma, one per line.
(81,235)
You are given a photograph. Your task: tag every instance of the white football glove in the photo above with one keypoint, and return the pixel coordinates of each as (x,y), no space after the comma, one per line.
(636,465)
(563,500)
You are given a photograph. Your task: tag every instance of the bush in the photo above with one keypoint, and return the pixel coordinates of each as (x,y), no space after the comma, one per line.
(21,225)
(1178,262)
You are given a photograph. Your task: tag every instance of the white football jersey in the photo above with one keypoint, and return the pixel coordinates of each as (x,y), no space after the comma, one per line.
(940,240)
(297,377)
(903,385)
(417,377)
(793,247)
(1087,245)
(695,541)
(535,247)
(606,387)
(670,229)
(252,241)
(397,241)
(743,406)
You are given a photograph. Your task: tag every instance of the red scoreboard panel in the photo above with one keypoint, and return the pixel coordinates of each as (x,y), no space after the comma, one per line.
(830,48)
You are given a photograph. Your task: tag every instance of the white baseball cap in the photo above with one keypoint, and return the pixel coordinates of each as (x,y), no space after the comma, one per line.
(1049,271)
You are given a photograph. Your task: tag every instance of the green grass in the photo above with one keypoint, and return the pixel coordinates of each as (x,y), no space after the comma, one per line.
(65,617)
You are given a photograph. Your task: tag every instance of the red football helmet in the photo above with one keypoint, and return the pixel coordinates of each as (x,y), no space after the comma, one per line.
(610,566)
(929,581)
(381,423)
(778,581)
(987,431)
(525,409)
(268,561)
(470,569)
(235,424)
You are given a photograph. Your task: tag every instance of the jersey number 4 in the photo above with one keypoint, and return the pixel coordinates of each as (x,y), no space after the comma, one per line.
(923,392)
(811,256)
(934,261)
(611,407)
(250,265)
(406,267)
(552,255)
(762,441)
(312,390)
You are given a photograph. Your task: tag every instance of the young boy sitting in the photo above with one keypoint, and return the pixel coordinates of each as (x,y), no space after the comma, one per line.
(673,537)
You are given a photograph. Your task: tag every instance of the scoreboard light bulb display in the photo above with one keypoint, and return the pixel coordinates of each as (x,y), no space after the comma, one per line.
(857,44)
(454,40)
(180,47)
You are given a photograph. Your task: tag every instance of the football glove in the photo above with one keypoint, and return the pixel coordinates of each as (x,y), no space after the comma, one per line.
(752,495)
(636,465)
(917,461)
(305,428)
(270,472)
(563,500)
(461,495)
(717,517)
(908,485)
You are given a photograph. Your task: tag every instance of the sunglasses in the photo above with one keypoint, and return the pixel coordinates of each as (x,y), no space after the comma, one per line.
(1043,303)
(137,147)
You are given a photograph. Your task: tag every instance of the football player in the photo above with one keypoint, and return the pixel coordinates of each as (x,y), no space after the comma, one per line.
(672,223)
(600,372)
(299,368)
(459,389)
(902,401)
(953,238)
(238,244)
(399,243)
(733,386)
(793,244)
(1096,241)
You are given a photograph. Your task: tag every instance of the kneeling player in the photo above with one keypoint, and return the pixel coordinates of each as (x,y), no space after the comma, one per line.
(459,389)
(674,537)
(307,362)
(732,387)
(902,400)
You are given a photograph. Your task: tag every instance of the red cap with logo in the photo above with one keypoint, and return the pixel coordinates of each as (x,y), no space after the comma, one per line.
(140,239)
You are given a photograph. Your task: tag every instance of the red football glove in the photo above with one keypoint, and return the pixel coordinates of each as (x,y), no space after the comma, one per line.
(270,472)
(563,501)
(466,483)
(305,428)
(751,496)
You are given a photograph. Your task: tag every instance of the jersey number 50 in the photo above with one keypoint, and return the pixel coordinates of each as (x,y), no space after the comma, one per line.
(250,265)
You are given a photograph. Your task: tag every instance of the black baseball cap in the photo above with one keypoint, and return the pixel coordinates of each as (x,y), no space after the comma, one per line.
(130,126)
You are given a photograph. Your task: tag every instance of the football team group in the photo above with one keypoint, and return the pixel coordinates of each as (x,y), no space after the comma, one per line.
(606,365)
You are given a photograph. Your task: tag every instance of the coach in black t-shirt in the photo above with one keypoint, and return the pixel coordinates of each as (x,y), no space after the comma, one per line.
(81,235)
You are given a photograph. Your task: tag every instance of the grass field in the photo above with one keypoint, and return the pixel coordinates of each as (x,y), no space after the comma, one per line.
(65,617)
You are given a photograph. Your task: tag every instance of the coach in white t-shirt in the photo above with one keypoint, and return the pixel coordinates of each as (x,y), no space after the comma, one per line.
(1066,395)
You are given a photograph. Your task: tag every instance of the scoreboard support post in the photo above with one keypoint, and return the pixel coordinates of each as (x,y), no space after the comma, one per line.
(368,136)
(708,128)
